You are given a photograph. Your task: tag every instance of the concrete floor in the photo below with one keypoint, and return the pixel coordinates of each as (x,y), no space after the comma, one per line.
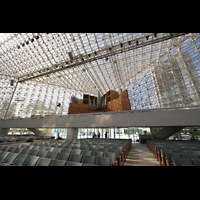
(140,155)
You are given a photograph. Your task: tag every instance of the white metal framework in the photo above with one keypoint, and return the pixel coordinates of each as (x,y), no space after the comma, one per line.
(158,69)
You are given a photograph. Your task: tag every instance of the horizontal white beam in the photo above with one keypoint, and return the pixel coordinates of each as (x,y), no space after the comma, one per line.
(140,118)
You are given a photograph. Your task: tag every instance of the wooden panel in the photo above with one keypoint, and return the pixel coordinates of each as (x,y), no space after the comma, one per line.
(124,94)
(75,108)
(110,95)
(114,103)
(114,94)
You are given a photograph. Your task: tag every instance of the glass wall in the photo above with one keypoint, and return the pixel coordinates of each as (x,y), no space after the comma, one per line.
(117,133)
(188,133)
(62,132)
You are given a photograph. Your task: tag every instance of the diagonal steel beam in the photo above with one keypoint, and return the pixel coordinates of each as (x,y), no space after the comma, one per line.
(104,53)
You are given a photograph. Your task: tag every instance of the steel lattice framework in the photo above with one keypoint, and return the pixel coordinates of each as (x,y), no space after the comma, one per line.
(40,70)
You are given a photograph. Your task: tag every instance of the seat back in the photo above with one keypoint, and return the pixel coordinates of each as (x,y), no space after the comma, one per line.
(85,148)
(182,161)
(71,163)
(76,146)
(170,155)
(42,148)
(58,150)
(163,151)
(49,149)
(186,155)
(42,153)
(26,151)
(33,152)
(52,155)
(76,151)
(97,153)
(3,155)
(86,153)
(58,163)
(18,150)
(23,146)
(11,157)
(5,148)
(20,159)
(31,161)
(111,155)
(35,147)
(1,147)
(86,164)
(44,162)
(103,161)
(11,149)
(196,162)
(65,150)
(115,151)
(63,156)
(89,159)
(75,158)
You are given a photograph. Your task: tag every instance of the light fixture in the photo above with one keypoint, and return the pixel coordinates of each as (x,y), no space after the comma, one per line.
(70,55)
(147,37)
(155,34)
(11,82)
(36,37)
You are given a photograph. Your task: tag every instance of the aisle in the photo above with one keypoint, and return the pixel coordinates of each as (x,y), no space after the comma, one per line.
(140,155)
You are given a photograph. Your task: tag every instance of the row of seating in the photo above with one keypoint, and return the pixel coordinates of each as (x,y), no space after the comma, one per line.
(122,145)
(58,153)
(67,151)
(52,159)
(176,152)
(16,138)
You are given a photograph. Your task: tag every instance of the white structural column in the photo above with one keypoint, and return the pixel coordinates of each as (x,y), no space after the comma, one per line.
(72,133)
(101,132)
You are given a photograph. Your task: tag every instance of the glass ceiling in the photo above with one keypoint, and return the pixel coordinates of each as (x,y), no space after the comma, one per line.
(158,69)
